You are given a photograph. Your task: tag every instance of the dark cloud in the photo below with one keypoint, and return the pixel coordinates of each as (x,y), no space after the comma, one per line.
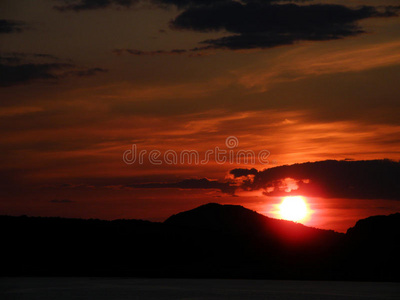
(188,3)
(78,5)
(61,201)
(9,26)
(9,59)
(23,73)
(376,179)
(243,172)
(150,53)
(18,57)
(203,183)
(262,25)
(87,72)
(21,68)
(253,23)
(198,51)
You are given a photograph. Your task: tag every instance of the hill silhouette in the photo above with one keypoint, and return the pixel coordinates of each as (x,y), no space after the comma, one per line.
(238,220)
(213,240)
(373,246)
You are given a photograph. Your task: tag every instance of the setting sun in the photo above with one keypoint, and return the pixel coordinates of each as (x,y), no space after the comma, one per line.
(293,208)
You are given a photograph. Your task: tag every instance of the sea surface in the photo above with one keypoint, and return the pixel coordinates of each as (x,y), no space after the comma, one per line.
(190,289)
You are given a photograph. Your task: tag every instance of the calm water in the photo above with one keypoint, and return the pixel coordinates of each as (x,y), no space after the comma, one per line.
(189,289)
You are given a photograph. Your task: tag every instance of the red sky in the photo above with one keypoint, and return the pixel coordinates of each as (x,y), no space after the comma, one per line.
(80,84)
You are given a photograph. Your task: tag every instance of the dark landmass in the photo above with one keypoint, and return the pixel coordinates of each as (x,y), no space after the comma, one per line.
(211,241)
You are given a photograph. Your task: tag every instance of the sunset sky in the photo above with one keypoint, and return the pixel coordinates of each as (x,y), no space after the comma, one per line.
(81,81)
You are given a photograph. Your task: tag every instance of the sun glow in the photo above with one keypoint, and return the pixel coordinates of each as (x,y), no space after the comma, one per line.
(294,209)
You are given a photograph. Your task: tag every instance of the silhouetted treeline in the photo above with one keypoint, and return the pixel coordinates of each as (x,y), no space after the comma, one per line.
(210,241)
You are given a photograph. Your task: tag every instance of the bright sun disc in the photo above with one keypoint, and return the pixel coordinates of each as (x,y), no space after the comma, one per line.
(293,208)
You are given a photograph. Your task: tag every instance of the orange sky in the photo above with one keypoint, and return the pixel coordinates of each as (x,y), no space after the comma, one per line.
(63,137)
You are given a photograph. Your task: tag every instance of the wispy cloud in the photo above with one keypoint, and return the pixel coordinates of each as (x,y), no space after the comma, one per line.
(11,26)
(23,68)
(306,61)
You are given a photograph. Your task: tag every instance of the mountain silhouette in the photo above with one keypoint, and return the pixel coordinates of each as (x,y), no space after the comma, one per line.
(213,240)
(373,246)
(240,221)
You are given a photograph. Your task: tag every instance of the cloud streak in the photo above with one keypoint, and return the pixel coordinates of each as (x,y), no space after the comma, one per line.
(11,26)
(61,201)
(81,5)
(21,68)
(203,183)
(303,62)
(194,52)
